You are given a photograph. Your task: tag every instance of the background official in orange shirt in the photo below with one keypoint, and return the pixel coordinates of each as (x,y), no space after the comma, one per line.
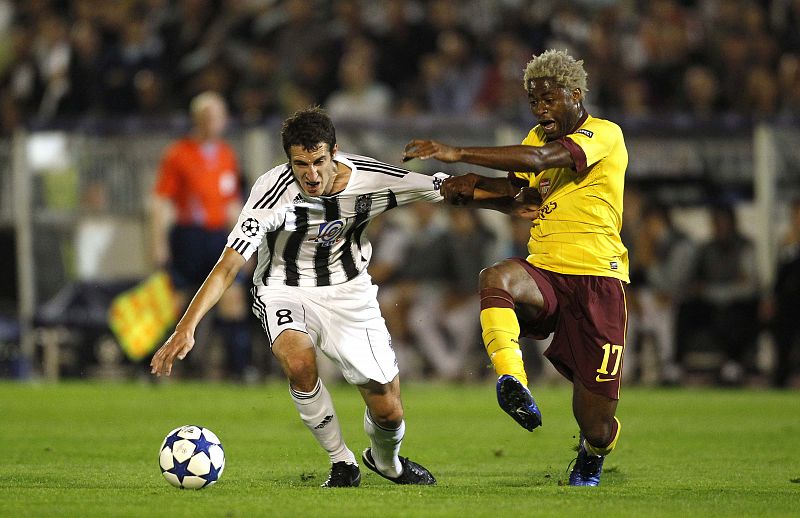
(197,198)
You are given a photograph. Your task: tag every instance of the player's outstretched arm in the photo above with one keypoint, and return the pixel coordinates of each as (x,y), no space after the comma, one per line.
(520,158)
(425,149)
(182,339)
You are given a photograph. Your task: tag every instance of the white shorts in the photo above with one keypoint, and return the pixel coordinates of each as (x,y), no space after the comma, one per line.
(344,322)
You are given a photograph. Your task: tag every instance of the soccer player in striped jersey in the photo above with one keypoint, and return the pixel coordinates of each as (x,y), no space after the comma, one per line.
(312,293)
(572,165)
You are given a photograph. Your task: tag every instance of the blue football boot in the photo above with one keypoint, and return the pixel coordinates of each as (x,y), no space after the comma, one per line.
(587,468)
(516,400)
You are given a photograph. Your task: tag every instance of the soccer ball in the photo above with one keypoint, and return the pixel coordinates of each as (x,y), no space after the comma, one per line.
(191,457)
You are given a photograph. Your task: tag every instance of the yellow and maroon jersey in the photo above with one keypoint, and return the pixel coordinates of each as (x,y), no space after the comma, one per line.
(578,231)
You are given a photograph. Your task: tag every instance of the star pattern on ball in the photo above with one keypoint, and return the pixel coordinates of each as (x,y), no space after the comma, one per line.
(181,469)
(213,474)
(171,440)
(202,444)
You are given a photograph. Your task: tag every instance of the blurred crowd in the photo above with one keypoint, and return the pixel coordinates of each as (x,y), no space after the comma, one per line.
(62,60)
(698,307)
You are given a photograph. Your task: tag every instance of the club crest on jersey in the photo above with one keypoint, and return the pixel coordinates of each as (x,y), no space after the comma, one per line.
(586,132)
(329,232)
(544,186)
(437,183)
(250,227)
(363,204)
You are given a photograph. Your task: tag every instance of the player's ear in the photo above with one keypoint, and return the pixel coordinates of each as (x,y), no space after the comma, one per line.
(577,95)
(334,149)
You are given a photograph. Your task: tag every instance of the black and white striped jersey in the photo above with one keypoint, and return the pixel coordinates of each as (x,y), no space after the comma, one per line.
(320,241)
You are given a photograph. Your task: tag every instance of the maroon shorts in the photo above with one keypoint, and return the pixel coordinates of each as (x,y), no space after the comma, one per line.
(587,316)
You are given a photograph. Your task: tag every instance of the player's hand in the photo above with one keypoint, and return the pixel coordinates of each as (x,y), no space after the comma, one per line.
(176,347)
(425,149)
(526,204)
(459,190)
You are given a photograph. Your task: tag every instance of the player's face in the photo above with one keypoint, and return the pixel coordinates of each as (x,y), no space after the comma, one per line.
(313,169)
(556,108)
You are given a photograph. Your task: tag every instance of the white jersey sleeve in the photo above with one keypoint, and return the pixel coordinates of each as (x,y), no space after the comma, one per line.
(418,187)
(263,212)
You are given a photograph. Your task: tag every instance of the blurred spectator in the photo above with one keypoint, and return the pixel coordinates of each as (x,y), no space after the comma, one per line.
(722,297)
(315,76)
(311,65)
(196,201)
(257,95)
(348,23)
(501,87)
(51,47)
(444,15)
(453,75)
(22,81)
(783,304)
(137,50)
(150,94)
(85,90)
(789,84)
(10,117)
(663,258)
(183,29)
(761,96)
(401,45)
(700,93)
(664,32)
(360,96)
(785,17)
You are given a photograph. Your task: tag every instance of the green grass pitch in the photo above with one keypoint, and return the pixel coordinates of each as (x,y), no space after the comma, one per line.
(90,449)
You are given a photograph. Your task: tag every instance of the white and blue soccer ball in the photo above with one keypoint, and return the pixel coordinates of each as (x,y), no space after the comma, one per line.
(191,457)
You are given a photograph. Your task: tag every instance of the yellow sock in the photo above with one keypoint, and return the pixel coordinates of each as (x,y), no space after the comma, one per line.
(594,450)
(501,338)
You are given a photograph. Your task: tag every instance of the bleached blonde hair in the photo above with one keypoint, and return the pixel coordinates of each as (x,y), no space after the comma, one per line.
(201,101)
(558,64)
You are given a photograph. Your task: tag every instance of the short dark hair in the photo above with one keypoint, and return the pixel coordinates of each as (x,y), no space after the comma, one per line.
(308,128)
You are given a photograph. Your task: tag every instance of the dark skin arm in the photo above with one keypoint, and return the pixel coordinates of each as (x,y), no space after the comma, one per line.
(493,193)
(503,158)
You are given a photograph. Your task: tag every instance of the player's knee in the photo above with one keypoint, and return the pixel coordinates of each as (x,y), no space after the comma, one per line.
(494,277)
(387,416)
(301,372)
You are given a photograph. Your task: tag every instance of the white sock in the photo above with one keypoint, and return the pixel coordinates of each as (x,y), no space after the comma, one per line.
(317,412)
(385,445)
